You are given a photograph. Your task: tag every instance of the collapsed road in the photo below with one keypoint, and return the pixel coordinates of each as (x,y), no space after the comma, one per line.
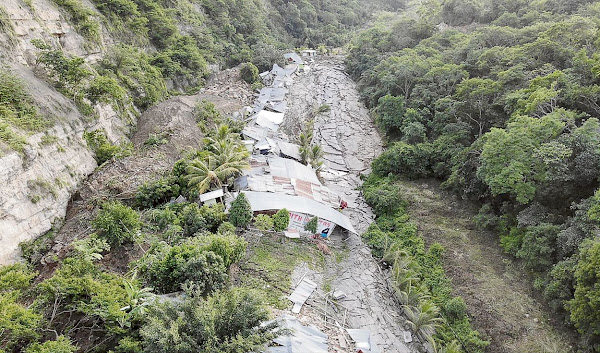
(350,142)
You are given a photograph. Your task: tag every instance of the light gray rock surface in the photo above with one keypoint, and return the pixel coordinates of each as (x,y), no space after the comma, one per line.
(350,142)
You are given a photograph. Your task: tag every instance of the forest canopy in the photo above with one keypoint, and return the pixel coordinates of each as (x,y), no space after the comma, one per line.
(500,100)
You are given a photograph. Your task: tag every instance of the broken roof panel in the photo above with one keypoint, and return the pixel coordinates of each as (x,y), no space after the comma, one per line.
(301,339)
(264,201)
(293,57)
(289,149)
(283,167)
(254,133)
(211,195)
(299,296)
(363,340)
(275,118)
(279,107)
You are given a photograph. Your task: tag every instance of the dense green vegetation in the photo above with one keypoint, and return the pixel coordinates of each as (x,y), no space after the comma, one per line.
(504,109)
(86,303)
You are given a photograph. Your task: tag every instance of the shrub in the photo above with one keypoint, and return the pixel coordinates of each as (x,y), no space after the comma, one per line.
(18,324)
(192,220)
(228,322)
(263,222)
(82,17)
(163,218)
(17,107)
(230,247)
(226,228)
(105,90)
(169,269)
(131,66)
(117,223)
(206,113)
(240,213)
(311,226)
(281,220)
(249,73)
(455,308)
(61,345)
(383,196)
(214,215)
(103,149)
(15,277)
(402,158)
(80,288)
(157,192)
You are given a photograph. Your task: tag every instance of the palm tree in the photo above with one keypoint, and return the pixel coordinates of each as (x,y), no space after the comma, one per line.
(305,141)
(423,320)
(221,133)
(228,152)
(213,171)
(316,157)
(452,347)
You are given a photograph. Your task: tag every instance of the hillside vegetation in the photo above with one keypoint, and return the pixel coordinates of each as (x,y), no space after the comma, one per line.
(151,49)
(499,99)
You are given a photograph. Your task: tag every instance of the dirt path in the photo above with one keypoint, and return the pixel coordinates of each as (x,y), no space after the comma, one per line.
(497,293)
(350,142)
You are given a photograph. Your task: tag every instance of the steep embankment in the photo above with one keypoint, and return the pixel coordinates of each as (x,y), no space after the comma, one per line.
(497,293)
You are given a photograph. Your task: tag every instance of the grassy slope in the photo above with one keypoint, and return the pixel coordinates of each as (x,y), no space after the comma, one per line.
(498,294)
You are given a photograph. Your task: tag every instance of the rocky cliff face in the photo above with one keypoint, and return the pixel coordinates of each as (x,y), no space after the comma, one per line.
(36,185)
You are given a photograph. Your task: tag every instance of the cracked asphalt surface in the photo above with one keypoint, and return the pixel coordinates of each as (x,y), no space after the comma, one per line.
(350,142)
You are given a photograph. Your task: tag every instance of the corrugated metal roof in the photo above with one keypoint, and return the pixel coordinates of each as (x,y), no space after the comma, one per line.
(284,167)
(289,149)
(262,201)
(302,339)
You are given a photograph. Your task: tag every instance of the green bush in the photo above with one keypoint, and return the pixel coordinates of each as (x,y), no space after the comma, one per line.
(82,17)
(311,226)
(169,269)
(226,228)
(249,73)
(214,216)
(240,214)
(230,247)
(117,223)
(17,107)
(402,158)
(104,90)
(131,66)
(61,345)
(281,220)
(157,192)
(228,322)
(163,218)
(192,220)
(455,308)
(16,277)
(103,150)
(206,114)
(383,196)
(263,222)
(80,288)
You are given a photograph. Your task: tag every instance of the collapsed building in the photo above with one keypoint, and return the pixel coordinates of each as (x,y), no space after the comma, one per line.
(277,179)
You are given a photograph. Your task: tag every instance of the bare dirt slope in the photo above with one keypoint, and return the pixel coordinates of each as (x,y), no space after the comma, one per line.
(121,178)
(498,294)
